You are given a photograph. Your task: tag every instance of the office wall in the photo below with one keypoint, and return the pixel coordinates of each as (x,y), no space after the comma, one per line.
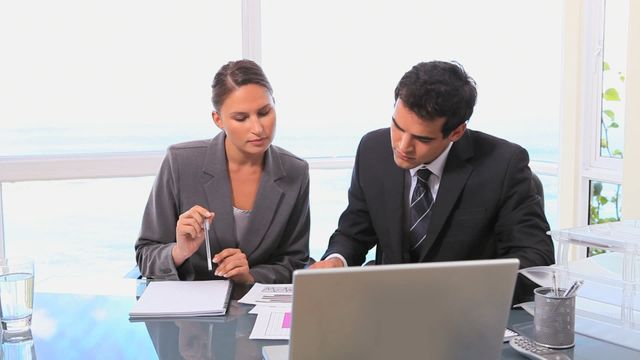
(631,202)
(570,126)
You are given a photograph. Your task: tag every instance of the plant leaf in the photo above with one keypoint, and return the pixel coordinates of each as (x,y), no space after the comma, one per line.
(611,95)
(610,114)
(614,125)
(605,66)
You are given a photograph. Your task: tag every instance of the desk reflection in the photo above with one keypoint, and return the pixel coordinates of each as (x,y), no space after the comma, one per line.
(195,340)
(17,346)
(204,338)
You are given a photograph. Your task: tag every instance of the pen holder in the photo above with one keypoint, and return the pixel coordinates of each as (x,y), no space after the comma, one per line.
(554,318)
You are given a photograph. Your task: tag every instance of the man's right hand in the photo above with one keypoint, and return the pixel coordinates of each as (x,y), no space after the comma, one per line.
(329,263)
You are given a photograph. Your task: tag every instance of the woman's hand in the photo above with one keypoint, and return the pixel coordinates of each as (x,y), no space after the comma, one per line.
(190,233)
(233,264)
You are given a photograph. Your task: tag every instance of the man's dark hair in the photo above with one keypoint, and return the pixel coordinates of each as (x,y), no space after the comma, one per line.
(438,89)
(233,75)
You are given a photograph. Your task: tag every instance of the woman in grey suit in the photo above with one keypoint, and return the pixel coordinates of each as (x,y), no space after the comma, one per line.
(255,195)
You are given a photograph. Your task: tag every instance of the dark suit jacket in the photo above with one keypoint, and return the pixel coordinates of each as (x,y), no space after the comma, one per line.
(195,173)
(486,207)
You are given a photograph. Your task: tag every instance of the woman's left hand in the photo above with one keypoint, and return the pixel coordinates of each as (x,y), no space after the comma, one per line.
(233,264)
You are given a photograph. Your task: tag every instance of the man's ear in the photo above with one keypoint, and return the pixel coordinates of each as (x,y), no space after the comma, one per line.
(216,119)
(457,133)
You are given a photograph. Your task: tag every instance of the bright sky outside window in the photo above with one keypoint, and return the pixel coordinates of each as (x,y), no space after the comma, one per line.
(108,76)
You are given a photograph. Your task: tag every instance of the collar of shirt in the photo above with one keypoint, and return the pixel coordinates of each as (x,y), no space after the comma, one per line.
(436,166)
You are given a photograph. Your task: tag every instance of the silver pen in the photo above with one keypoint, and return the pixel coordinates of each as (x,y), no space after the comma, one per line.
(574,287)
(206,244)
(555,284)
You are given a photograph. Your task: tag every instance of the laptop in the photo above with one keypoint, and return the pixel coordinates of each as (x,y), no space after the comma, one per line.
(442,310)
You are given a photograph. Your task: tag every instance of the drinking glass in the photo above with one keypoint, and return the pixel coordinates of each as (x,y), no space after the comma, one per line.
(16,294)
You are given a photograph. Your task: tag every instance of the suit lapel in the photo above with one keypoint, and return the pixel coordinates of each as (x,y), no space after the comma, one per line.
(397,247)
(455,175)
(218,190)
(267,201)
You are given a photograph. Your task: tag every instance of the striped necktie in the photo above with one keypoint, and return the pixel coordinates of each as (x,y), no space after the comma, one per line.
(420,212)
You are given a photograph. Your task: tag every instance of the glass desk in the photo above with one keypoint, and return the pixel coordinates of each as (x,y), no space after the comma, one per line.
(77,320)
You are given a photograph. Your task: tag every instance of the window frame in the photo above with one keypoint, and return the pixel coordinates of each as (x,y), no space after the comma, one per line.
(580,153)
(597,167)
(593,166)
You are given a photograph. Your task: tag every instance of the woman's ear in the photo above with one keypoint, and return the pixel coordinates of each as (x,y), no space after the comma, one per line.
(217,120)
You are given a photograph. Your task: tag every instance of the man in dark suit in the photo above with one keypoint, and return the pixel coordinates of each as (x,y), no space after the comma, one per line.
(429,189)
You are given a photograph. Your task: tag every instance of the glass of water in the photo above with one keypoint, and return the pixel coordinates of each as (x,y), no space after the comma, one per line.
(16,294)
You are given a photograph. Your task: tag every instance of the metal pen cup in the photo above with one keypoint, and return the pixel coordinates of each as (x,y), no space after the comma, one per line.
(554,318)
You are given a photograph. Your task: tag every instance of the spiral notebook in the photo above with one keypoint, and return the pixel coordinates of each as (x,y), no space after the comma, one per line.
(175,299)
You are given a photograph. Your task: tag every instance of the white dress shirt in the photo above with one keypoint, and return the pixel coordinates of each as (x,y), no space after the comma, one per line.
(436,167)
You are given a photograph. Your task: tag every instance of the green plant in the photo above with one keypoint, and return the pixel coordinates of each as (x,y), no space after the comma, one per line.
(608,123)
(608,119)
(600,201)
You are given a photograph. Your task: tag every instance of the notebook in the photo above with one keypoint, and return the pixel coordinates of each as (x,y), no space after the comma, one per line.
(443,310)
(173,299)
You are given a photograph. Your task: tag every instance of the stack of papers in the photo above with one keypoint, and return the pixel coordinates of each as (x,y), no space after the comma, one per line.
(183,299)
(272,295)
(273,307)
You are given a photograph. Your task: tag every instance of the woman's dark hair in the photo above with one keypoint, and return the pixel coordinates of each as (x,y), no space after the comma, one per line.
(438,89)
(233,75)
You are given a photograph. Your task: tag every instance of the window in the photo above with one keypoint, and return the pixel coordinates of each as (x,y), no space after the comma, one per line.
(334,67)
(606,202)
(89,77)
(613,78)
(600,191)
(131,78)
(605,206)
(75,227)
(335,64)
(115,76)
(609,29)
(327,198)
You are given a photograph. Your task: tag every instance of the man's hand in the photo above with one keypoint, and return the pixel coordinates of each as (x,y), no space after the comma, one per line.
(333,262)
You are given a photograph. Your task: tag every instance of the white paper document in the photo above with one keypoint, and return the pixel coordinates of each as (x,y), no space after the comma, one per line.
(266,308)
(183,299)
(273,295)
(272,324)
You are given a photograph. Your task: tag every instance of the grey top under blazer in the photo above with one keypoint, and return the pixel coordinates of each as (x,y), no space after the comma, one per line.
(195,173)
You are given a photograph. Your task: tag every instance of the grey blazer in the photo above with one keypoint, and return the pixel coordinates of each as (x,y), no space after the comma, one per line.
(195,173)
